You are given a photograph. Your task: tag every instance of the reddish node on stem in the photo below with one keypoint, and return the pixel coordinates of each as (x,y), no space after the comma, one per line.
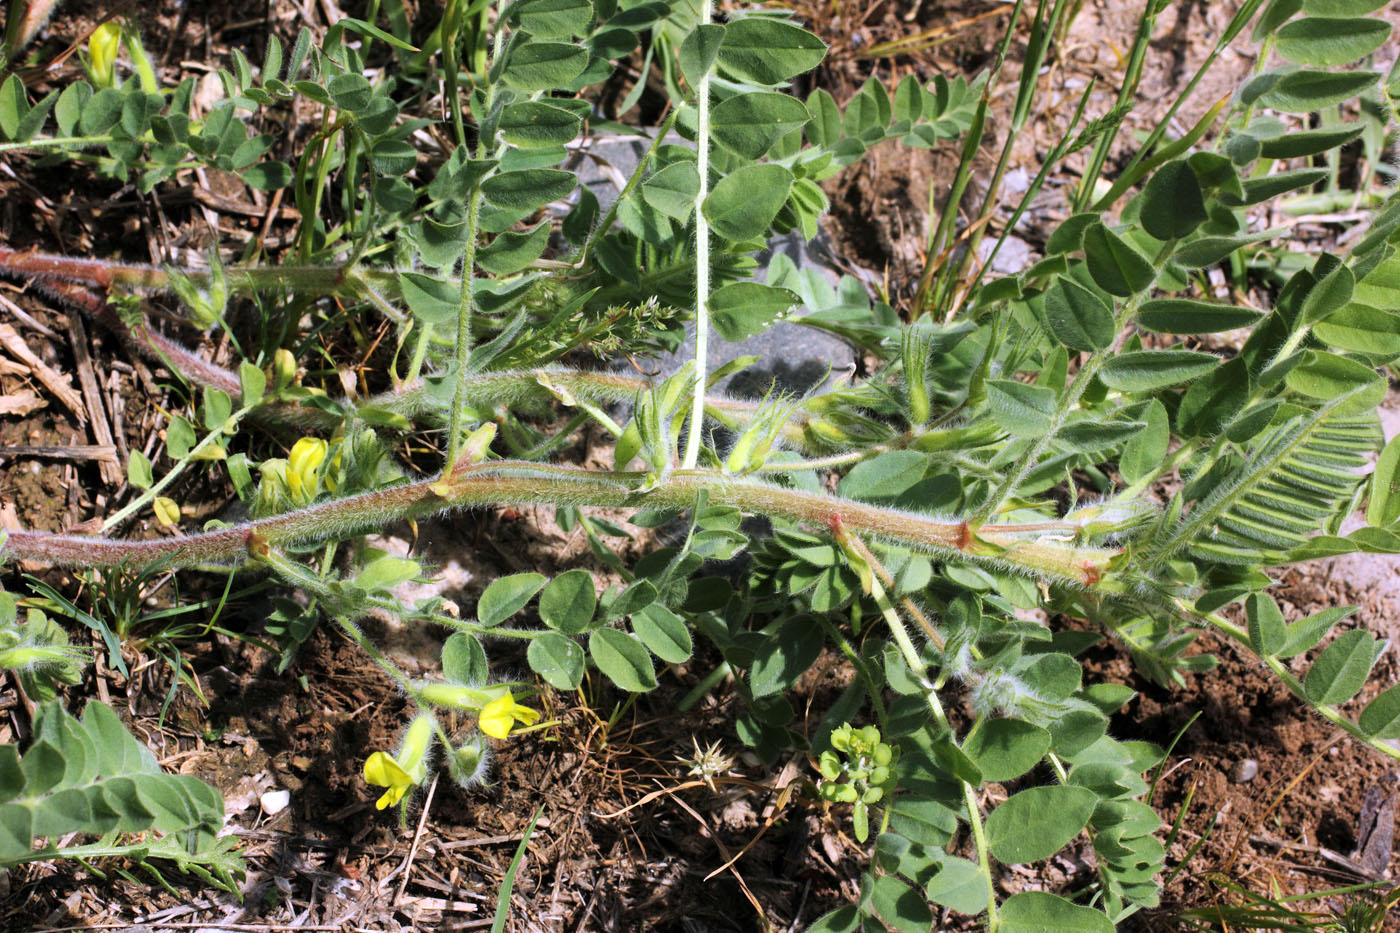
(833,521)
(964,537)
(257,545)
(1091,573)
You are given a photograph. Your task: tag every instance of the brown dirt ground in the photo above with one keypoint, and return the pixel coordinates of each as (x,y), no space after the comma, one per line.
(330,861)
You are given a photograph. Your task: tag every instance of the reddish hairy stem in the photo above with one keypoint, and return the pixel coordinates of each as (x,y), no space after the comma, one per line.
(518,482)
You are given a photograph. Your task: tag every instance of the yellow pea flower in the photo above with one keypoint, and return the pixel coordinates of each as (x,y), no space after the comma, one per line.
(102,54)
(406,770)
(306,456)
(499,717)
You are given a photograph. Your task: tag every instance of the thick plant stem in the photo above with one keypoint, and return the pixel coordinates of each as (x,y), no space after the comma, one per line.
(702,259)
(520,482)
(464,330)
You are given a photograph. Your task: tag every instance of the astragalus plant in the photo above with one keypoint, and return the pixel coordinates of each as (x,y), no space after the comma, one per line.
(1059,443)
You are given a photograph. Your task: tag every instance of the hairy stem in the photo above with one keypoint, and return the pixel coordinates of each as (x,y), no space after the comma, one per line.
(702,258)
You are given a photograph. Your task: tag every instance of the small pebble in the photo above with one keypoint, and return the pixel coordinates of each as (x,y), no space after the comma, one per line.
(275,801)
(1246,770)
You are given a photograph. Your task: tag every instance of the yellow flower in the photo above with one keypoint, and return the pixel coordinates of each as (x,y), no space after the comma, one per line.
(500,716)
(306,456)
(102,53)
(406,770)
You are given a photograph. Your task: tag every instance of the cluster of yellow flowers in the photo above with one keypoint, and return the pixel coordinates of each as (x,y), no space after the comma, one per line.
(497,716)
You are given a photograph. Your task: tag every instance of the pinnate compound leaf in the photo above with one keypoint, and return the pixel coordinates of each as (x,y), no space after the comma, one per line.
(749,124)
(745,201)
(569,601)
(1172,203)
(1328,41)
(1146,370)
(1077,317)
(557,659)
(767,51)
(1340,671)
(1042,912)
(741,310)
(623,659)
(1038,822)
(1115,266)
(507,596)
(1184,316)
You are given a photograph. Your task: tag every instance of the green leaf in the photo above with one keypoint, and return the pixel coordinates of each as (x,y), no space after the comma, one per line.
(1341,7)
(557,659)
(1381,717)
(1214,399)
(749,124)
(464,660)
(552,19)
(507,596)
(351,92)
(1172,203)
(544,66)
(1383,507)
(1077,317)
(672,190)
(1115,266)
(1306,91)
(698,52)
(1038,822)
(1267,631)
(69,108)
(440,244)
(960,886)
(1020,410)
(510,252)
(1208,250)
(385,573)
(138,470)
(1004,749)
(1069,235)
(1183,316)
(623,659)
(14,105)
(1297,145)
(432,301)
(922,820)
(1146,370)
(1341,670)
(744,203)
(1144,452)
(1325,376)
(530,189)
(268,176)
(568,602)
(785,656)
(1305,634)
(1257,190)
(664,633)
(535,124)
(741,310)
(1330,295)
(899,905)
(1361,329)
(841,920)
(884,476)
(1042,912)
(767,51)
(1329,41)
